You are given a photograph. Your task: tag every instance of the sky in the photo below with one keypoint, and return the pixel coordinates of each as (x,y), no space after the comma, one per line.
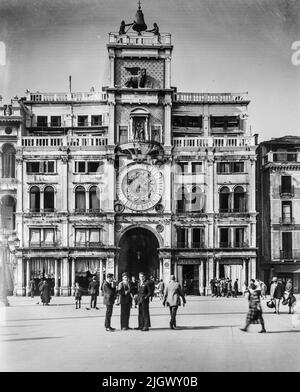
(219,46)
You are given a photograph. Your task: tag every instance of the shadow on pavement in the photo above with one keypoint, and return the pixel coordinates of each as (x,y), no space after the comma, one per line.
(25,339)
(289,331)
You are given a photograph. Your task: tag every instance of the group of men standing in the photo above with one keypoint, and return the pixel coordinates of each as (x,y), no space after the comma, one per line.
(224,288)
(126,293)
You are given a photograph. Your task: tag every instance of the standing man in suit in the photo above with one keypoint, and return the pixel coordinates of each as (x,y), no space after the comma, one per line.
(109,296)
(144,293)
(94,292)
(172,296)
(125,294)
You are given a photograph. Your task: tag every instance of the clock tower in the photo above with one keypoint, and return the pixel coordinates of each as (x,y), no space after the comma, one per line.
(140,100)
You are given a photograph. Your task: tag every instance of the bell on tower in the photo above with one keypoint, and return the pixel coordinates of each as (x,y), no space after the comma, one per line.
(139,23)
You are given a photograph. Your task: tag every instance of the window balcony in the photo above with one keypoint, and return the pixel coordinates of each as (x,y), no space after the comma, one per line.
(88,244)
(42,244)
(287,192)
(211,97)
(63,141)
(203,142)
(288,220)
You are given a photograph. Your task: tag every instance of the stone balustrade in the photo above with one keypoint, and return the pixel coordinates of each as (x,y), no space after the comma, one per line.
(200,142)
(63,141)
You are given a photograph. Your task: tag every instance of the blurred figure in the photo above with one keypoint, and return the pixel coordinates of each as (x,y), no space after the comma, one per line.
(78,295)
(236,288)
(45,293)
(161,289)
(32,287)
(278,295)
(134,289)
(254,315)
(93,290)
(289,294)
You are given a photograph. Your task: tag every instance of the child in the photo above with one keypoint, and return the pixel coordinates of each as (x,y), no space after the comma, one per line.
(78,294)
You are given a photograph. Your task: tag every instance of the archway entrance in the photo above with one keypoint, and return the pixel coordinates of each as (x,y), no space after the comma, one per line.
(138,252)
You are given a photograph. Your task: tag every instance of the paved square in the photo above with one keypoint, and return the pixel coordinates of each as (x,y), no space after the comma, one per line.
(61,338)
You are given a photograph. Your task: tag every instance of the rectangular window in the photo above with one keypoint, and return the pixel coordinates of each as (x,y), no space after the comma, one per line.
(35,236)
(80,167)
(287,212)
(196,167)
(181,238)
(230,167)
(96,120)
(92,167)
(82,121)
(182,168)
(33,167)
(225,122)
(223,167)
(239,237)
(42,121)
(198,238)
(233,122)
(55,121)
(80,236)
(50,168)
(224,238)
(238,167)
(218,122)
(286,184)
(49,236)
(287,245)
(187,121)
(123,134)
(94,236)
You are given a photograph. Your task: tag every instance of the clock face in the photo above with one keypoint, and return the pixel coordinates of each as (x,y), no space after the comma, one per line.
(140,187)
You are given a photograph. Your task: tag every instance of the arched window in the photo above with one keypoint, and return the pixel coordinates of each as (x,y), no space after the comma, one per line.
(8,211)
(197,200)
(239,199)
(34,199)
(80,199)
(224,200)
(94,199)
(8,161)
(48,199)
(182,200)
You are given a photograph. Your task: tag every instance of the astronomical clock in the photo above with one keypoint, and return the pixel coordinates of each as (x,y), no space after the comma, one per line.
(140,187)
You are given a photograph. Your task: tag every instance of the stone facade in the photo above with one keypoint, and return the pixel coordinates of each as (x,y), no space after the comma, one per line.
(137,177)
(278,203)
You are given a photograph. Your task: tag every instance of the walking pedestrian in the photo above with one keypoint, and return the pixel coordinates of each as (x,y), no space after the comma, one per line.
(278,295)
(236,288)
(78,295)
(32,287)
(45,293)
(151,283)
(93,290)
(254,315)
(172,296)
(161,289)
(125,299)
(289,294)
(144,294)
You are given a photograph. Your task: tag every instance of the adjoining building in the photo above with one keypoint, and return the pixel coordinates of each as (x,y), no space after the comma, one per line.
(278,203)
(136,177)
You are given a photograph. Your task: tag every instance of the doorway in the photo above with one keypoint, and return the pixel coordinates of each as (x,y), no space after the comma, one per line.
(138,252)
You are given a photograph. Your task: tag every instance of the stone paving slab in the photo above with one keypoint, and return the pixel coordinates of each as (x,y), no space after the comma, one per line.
(61,338)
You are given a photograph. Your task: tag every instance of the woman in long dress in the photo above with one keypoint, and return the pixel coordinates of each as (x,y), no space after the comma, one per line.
(254,315)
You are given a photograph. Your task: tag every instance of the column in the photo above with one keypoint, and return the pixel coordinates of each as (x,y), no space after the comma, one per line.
(252,190)
(168,188)
(210,186)
(161,269)
(244,282)
(167,124)
(210,240)
(217,268)
(206,277)
(73,276)
(56,286)
(166,269)
(209,274)
(64,277)
(27,277)
(87,201)
(179,274)
(201,278)
(253,234)
(111,70)
(19,283)
(101,275)
(111,128)
(64,185)
(175,270)
(0,163)
(189,237)
(168,72)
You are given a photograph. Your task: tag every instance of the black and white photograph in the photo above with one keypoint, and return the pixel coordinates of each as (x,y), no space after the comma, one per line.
(149,189)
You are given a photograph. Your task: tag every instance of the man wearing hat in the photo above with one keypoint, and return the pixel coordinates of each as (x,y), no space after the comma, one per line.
(94,292)
(173,292)
(125,295)
(144,293)
(109,296)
